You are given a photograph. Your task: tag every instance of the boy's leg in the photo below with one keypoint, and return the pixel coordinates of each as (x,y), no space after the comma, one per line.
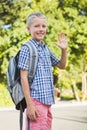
(44,120)
(49,119)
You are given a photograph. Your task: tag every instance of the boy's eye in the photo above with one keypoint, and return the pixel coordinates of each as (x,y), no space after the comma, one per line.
(36,25)
(44,26)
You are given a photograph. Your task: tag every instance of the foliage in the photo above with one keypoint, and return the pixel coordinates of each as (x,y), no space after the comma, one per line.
(5,99)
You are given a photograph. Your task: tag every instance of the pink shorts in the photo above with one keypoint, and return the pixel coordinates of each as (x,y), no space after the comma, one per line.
(44,120)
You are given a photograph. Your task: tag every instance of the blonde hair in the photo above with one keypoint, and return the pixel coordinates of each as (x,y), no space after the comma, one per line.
(34,15)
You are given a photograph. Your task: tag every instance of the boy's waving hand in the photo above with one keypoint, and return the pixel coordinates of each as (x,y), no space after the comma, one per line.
(63,41)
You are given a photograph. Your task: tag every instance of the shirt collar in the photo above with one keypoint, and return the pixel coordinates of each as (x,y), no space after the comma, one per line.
(36,43)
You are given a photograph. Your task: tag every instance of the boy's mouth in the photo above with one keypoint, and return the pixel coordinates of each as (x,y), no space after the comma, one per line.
(40,34)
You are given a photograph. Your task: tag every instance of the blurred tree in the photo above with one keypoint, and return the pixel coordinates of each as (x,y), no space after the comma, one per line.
(12,30)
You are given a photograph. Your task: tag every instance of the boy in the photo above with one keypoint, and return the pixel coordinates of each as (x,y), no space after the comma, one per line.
(40,95)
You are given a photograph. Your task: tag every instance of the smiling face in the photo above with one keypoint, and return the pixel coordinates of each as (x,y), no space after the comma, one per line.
(38,28)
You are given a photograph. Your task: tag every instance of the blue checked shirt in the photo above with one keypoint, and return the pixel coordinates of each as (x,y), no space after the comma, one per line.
(42,87)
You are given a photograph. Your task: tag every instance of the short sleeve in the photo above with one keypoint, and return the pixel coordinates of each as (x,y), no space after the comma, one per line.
(54,59)
(23,62)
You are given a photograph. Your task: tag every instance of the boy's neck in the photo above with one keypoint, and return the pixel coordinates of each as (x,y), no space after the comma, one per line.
(39,42)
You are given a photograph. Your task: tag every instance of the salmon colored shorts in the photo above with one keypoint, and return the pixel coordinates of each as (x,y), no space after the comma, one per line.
(44,120)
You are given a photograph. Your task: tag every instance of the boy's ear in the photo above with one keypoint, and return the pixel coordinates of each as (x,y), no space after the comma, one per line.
(28,28)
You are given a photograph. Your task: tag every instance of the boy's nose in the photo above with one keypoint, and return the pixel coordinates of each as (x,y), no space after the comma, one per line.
(41,28)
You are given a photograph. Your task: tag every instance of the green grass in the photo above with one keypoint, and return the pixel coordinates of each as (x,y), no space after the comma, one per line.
(67,98)
(5,99)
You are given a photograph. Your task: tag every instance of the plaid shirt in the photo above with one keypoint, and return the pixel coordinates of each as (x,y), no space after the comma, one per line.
(42,87)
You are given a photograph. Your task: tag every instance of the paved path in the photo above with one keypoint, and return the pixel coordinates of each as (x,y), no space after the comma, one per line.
(65,117)
(70,116)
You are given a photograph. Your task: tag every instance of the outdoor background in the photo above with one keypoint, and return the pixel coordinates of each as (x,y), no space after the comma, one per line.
(69,16)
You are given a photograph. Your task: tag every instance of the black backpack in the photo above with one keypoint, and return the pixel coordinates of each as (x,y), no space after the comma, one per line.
(13,78)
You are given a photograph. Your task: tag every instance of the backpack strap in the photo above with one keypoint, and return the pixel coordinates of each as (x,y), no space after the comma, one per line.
(33,60)
(21,117)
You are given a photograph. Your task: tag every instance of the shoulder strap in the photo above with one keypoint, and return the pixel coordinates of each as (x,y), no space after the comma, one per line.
(33,60)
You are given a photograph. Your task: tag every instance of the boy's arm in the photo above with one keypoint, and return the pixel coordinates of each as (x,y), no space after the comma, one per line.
(63,44)
(62,62)
(31,111)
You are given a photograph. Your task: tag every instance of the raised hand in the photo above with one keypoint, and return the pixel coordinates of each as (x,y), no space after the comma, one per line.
(63,41)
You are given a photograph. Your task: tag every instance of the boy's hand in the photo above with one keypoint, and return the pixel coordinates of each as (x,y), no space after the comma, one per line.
(32,113)
(63,41)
